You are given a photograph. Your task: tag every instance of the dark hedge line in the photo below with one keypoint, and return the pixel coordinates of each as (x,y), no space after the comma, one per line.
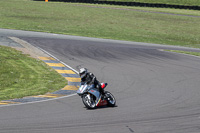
(130,4)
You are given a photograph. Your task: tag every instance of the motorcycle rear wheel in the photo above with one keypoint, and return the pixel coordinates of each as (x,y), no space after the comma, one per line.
(89,103)
(110,99)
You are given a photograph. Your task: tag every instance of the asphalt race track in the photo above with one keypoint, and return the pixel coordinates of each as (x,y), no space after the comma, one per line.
(156,91)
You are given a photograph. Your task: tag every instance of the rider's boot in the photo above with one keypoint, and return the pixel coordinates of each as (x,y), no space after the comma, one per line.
(102,93)
(101,90)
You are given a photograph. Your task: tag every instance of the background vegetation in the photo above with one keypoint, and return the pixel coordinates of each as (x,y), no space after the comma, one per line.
(112,22)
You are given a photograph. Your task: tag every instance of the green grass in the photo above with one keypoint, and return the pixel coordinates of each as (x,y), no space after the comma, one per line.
(22,76)
(185,52)
(83,20)
(172,2)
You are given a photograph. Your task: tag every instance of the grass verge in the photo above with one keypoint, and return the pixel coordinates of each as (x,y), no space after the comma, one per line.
(22,76)
(101,22)
(184,52)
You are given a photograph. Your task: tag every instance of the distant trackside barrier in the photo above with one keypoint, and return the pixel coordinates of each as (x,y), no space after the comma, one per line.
(130,4)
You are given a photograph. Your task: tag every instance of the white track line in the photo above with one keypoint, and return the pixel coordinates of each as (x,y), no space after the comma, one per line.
(57,59)
(38,101)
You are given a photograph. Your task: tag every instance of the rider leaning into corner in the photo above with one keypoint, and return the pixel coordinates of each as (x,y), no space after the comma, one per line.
(89,78)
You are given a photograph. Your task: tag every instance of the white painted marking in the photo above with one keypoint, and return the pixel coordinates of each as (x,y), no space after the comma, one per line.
(58,60)
(38,101)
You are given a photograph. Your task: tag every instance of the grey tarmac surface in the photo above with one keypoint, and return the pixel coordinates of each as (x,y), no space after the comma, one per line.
(156,91)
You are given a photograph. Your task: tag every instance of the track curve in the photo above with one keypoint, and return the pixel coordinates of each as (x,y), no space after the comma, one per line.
(156,91)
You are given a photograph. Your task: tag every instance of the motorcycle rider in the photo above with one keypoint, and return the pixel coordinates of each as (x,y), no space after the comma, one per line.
(89,78)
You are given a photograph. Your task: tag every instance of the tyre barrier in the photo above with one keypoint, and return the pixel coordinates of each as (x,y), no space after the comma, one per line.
(129,4)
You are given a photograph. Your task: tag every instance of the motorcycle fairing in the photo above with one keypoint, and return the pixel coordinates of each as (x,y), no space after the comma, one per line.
(83,88)
(102,103)
(94,92)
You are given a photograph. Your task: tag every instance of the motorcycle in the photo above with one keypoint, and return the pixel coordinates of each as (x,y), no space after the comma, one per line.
(92,98)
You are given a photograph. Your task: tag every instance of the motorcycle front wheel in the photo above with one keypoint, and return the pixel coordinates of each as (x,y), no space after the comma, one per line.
(88,101)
